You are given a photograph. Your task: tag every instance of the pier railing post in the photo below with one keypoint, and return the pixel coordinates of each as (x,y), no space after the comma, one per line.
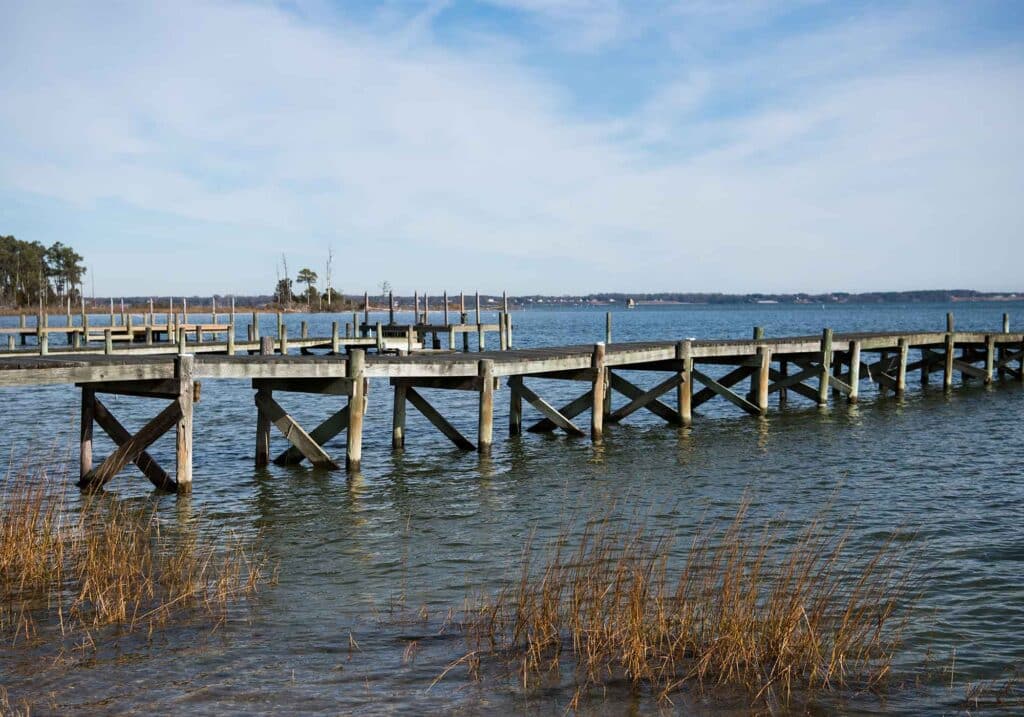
(684,393)
(356,409)
(485,423)
(184,369)
(826,367)
(600,386)
(607,327)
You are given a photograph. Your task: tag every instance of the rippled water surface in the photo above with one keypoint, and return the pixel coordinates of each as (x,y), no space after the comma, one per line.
(426,527)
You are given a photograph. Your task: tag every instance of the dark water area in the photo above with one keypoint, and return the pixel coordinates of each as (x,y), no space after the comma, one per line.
(363,557)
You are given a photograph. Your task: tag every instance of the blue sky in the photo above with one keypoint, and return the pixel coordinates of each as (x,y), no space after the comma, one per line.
(555,146)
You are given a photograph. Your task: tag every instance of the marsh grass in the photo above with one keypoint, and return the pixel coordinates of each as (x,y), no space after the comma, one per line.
(738,608)
(68,571)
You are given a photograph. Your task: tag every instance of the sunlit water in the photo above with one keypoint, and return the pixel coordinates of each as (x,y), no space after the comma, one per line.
(362,555)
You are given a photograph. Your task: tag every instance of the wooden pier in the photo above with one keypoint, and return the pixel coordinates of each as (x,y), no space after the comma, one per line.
(745,373)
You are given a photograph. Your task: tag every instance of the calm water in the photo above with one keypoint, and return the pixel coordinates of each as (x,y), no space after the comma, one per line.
(429,526)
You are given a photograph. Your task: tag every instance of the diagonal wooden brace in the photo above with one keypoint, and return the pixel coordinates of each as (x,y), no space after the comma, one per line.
(646,398)
(723,391)
(120,435)
(653,405)
(294,432)
(423,406)
(569,410)
(545,408)
(132,448)
(728,380)
(327,430)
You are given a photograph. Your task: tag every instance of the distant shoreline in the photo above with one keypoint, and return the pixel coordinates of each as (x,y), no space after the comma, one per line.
(494,302)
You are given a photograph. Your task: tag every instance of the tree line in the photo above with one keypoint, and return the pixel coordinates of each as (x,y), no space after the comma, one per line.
(31,272)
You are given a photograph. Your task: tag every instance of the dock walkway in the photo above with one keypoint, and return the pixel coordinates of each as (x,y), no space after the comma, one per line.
(815,368)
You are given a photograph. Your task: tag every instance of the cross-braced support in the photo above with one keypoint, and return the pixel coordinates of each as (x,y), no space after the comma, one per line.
(310,445)
(182,391)
(405,391)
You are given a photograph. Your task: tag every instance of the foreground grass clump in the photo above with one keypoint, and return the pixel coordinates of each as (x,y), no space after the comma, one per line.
(67,570)
(737,609)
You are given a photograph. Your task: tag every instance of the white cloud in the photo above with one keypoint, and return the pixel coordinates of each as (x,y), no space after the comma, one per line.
(414,159)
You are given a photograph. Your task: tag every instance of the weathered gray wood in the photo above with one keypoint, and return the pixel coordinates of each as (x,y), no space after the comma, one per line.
(320,435)
(791,383)
(120,435)
(725,393)
(549,411)
(357,408)
(132,448)
(434,416)
(901,375)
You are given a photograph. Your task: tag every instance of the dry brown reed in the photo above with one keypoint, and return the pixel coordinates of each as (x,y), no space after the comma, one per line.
(68,570)
(739,609)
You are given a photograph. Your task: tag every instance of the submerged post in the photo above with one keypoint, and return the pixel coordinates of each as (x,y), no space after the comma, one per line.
(85,440)
(764,355)
(947,368)
(485,423)
(990,356)
(356,409)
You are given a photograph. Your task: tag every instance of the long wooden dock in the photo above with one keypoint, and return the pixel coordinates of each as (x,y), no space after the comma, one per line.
(818,369)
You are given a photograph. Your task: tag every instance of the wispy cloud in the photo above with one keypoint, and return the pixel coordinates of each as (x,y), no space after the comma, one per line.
(827,154)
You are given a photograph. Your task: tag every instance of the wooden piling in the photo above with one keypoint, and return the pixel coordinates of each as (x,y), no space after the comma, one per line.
(85,428)
(854,372)
(515,411)
(262,419)
(950,348)
(990,356)
(398,417)
(599,386)
(463,318)
(758,333)
(479,325)
(764,355)
(356,409)
(608,328)
(485,423)
(826,366)
(391,308)
(901,375)
(184,369)
(182,343)
(335,339)
(108,341)
(684,392)
(283,340)
(508,330)
(231,337)
(366,313)
(446,308)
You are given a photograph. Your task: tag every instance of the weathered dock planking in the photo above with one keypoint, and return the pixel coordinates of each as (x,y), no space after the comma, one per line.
(816,368)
